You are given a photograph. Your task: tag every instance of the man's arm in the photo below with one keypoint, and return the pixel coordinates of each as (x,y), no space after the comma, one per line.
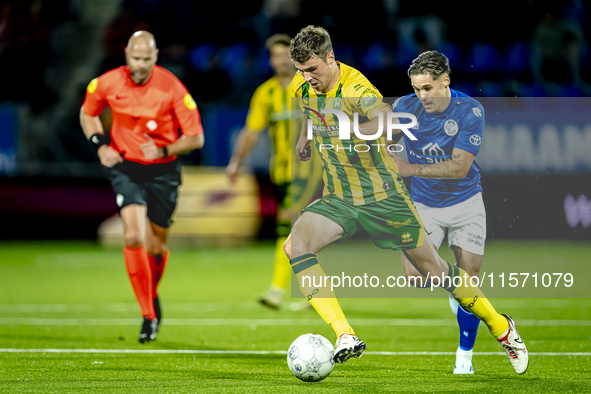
(182,145)
(456,168)
(244,144)
(93,130)
(185,110)
(303,149)
(370,127)
(90,124)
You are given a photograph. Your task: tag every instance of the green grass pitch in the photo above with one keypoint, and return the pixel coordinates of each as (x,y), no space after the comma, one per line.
(73,297)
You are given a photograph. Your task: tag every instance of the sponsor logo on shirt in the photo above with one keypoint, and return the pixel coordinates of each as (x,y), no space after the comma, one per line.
(475,139)
(477,112)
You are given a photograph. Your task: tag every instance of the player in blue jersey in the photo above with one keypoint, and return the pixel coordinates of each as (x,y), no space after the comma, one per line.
(445,178)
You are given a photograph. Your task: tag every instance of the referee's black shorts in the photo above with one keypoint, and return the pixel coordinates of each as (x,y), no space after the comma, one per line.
(153,185)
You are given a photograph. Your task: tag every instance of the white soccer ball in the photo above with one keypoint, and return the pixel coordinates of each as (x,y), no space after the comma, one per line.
(310,357)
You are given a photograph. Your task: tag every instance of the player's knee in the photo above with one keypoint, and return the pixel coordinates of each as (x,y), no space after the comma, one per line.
(287,248)
(133,240)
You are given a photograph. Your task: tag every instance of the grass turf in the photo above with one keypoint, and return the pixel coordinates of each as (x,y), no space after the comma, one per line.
(77,296)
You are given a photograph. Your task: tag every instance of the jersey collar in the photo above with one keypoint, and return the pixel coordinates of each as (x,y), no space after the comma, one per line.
(135,84)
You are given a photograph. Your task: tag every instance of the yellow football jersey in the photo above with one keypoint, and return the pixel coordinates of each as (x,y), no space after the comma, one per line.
(270,107)
(356,171)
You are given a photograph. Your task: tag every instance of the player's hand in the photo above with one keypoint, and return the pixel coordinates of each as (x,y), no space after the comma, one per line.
(232,172)
(151,151)
(109,156)
(304,150)
(403,167)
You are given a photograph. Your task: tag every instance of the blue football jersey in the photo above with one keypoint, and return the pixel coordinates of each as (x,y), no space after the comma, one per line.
(459,126)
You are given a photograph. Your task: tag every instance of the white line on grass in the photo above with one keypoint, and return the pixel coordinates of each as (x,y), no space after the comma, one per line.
(128,307)
(209,306)
(258,352)
(32,321)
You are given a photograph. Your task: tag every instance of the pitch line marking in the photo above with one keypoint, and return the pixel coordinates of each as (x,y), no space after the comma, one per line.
(32,321)
(261,352)
(127,307)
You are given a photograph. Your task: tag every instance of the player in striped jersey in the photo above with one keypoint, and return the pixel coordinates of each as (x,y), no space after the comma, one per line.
(363,188)
(270,108)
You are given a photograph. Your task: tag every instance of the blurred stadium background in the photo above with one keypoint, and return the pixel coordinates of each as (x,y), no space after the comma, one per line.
(535,175)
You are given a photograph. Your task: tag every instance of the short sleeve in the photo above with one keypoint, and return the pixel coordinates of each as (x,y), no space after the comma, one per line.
(471,130)
(369,100)
(95,100)
(186,111)
(402,104)
(258,114)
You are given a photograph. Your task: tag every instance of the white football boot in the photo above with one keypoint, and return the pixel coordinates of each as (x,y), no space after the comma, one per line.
(463,362)
(347,346)
(515,348)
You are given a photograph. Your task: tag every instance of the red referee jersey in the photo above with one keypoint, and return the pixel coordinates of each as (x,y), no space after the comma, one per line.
(157,108)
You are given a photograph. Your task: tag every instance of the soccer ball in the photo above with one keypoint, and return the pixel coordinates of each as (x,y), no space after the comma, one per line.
(310,357)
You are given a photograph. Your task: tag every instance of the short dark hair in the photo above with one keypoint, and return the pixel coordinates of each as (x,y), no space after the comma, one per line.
(310,41)
(430,62)
(282,39)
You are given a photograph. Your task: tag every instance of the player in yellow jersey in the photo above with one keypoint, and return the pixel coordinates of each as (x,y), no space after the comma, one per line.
(363,187)
(270,107)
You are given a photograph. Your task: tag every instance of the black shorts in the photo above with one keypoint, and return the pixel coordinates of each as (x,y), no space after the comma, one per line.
(153,185)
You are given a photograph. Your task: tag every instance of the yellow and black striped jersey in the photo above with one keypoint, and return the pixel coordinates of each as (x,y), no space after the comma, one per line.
(270,107)
(357,174)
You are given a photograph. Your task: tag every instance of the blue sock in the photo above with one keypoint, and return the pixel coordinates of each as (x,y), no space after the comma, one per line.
(468,328)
